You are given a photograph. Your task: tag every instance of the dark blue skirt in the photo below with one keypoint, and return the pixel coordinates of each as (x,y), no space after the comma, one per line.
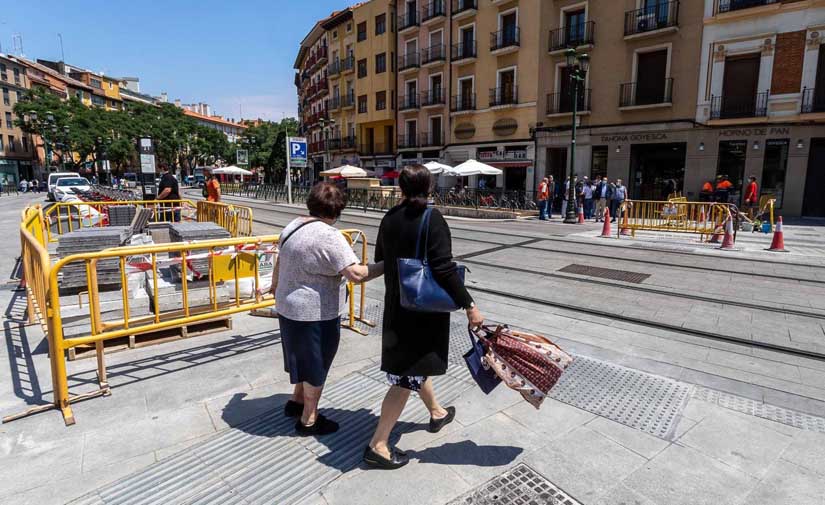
(309,348)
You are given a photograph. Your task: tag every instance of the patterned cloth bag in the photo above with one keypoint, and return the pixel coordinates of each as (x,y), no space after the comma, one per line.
(528,363)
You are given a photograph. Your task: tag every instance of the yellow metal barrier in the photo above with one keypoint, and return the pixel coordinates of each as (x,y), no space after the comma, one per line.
(35,263)
(766,206)
(235,219)
(701,218)
(354,237)
(64,217)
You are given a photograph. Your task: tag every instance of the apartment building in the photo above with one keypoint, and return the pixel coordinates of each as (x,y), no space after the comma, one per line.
(230,129)
(636,105)
(343,127)
(762,90)
(375,84)
(313,91)
(16,149)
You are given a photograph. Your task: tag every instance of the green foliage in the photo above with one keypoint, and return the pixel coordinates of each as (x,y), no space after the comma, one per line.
(95,133)
(268,149)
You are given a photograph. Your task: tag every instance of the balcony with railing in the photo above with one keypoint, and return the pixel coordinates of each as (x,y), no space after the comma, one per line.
(572,36)
(464,8)
(463,103)
(348,64)
(431,139)
(739,107)
(433,97)
(634,94)
(407,141)
(652,20)
(812,101)
(408,102)
(342,143)
(723,6)
(335,103)
(433,54)
(321,54)
(316,147)
(409,61)
(408,21)
(375,149)
(334,69)
(348,100)
(503,96)
(433,10)
(505,40)
(463,52)
(562,103)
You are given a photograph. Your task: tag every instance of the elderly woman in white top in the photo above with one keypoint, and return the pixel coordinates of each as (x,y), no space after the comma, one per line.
(309,293)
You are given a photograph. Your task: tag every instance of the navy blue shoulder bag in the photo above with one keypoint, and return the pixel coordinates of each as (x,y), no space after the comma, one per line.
(419,289)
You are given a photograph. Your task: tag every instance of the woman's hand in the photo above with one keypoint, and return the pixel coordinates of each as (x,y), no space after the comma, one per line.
(474,317)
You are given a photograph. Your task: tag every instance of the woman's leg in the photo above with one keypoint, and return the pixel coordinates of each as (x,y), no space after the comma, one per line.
(312,394)
(391,409)
(298,393)
(427,394)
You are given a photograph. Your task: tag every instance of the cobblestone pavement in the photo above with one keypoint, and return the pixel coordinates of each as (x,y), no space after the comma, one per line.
(647,415)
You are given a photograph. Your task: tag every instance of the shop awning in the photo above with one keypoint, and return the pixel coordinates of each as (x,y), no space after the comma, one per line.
(392,174)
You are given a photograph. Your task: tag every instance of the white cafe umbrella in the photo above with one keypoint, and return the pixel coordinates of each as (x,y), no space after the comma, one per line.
(436,168)
(231,170)
(345,171)
(472,167)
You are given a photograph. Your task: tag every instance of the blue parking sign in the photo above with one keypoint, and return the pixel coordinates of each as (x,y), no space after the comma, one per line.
(297,151)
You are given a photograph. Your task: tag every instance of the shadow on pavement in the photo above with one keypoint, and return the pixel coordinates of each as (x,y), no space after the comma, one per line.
(468,452)
(24,379)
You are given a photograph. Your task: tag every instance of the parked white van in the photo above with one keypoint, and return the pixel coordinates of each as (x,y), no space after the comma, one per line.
(53,181)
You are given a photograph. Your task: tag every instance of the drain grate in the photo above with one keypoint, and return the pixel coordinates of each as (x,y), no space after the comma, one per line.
(605,273)
(758,409)
(519,486)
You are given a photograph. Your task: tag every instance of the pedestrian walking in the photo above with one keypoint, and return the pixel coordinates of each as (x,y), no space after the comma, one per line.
(543,198)
(414,344)
(213,188)
(619,196)
(24,186)
(752,196)
(551,195)
(307,282)
(587,197)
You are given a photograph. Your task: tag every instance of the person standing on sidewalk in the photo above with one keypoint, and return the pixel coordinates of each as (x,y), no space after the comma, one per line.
(587,196)
(415,345)
(543,198)
(168,190)
(619,196)
(551,195)
(752,196)
(601,196)
(307,283)
(213,189)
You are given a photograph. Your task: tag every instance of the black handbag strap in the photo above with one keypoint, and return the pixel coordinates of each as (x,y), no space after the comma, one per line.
(423,229)
(283,240)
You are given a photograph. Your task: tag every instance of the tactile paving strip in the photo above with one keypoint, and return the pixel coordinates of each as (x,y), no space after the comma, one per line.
(520,485)
(605,273)
(758,409)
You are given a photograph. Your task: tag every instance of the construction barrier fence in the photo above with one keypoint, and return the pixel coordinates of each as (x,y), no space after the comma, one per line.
(677,216)
(158,288)
(65,217)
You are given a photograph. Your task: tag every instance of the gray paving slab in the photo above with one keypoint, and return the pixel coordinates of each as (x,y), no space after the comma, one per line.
(683,476)
(808,451)
(785,482)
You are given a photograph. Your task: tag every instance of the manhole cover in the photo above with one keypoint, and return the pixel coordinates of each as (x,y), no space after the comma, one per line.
(519,486)
(605,273)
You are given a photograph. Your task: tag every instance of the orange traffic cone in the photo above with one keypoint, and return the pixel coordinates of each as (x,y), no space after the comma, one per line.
(581,215)
(727,242)
(624,229)
(702,215)
(606,227)
(714,237)
(778,242)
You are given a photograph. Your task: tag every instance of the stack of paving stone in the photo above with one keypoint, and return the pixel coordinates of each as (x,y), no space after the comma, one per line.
(191,231)
(91,240)
(121,215)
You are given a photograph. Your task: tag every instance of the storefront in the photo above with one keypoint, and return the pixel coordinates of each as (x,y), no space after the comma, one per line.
(786,160)
(515,161)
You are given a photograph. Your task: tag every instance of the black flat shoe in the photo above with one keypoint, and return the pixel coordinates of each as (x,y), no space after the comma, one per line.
(437,424)
(396,460)
(293,409)
(321,426)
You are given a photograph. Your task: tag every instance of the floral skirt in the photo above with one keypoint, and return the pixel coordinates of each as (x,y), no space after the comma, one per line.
(411,382)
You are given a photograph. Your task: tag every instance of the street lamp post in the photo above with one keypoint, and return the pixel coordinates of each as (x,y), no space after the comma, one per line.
(578,63)
(326,124)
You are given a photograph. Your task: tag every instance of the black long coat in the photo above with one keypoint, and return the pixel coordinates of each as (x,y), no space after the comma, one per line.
(416,343)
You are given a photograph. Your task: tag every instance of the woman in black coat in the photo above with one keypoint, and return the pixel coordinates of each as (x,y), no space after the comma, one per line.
(414,344)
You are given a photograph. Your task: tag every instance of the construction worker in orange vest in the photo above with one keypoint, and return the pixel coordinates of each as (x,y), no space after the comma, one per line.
(723,186)
(707,191)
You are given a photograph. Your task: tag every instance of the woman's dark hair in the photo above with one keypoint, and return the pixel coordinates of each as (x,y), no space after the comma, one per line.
(415,181)
(326,201)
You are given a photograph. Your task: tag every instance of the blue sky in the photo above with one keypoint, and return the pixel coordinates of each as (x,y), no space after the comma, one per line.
(225,53)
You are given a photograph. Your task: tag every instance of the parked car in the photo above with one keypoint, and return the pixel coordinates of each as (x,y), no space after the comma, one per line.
(52,182)
(67,187)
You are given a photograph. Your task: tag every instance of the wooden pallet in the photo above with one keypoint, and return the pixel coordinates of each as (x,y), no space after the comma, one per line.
(153,338)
